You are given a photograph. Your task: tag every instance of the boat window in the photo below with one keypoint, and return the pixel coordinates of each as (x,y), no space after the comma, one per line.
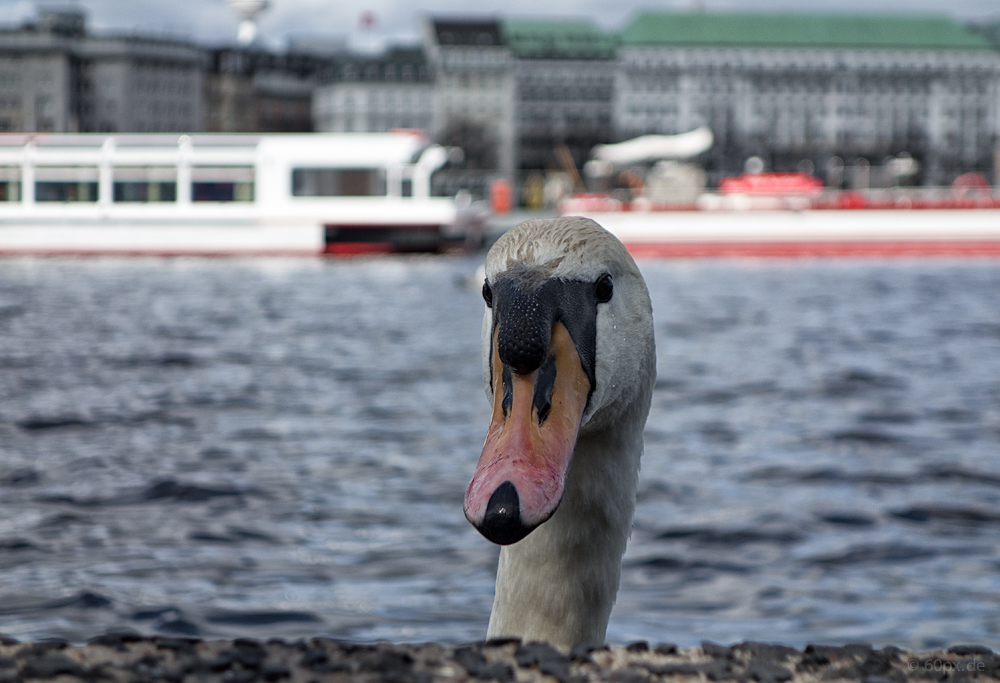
(338,182)
(222,184)
(145,184)
(66,184)
(10,183)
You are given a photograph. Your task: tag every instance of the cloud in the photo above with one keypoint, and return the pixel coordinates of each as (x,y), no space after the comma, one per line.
(16,12)
(211,21)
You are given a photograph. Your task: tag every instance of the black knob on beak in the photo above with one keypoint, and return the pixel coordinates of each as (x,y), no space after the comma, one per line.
(502,521)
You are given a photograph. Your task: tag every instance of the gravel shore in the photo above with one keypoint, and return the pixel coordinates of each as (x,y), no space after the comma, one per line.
(133,658)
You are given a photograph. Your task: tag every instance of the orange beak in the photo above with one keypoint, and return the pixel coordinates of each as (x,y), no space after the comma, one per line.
(521,473)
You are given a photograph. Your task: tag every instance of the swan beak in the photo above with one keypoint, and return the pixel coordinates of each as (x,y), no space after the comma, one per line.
(521,473)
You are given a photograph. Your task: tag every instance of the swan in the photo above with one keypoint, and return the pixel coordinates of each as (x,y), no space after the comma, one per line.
(569,365)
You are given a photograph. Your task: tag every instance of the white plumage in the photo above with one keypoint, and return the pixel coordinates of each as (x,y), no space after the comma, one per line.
(559,583)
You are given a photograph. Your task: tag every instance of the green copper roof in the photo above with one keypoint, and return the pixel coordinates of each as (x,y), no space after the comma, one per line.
(558,40)
(800,30)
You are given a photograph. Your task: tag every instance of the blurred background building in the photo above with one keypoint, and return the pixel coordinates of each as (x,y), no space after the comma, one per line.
(473,72)
(848,98)
(811,92)
(375,93)
(248,89)
(564,74)
(54,76)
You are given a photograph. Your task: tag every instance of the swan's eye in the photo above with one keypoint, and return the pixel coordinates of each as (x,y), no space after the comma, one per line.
(604,288)
(487,294)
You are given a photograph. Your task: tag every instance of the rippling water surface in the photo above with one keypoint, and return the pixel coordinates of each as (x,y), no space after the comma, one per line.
(280,447)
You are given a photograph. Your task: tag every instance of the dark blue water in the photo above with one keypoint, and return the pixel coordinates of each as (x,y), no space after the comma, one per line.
(280,447)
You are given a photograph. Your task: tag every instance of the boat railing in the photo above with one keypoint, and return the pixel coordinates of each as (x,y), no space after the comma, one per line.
(897,198)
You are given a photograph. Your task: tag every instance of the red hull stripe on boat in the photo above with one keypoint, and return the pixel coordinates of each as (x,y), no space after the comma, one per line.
(795,249)
(158,253)
(356,248)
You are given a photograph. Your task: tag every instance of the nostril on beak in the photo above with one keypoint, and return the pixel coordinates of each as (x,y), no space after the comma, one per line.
(543,411)
(502,521)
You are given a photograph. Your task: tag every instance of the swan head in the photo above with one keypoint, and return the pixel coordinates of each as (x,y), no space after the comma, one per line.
(567,348)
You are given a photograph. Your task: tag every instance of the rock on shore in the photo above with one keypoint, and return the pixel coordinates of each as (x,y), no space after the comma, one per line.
(132,658)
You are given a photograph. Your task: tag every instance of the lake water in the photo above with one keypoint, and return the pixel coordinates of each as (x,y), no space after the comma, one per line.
(281,447)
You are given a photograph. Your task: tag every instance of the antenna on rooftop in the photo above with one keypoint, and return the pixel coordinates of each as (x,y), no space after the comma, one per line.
(249,10)
(368,38)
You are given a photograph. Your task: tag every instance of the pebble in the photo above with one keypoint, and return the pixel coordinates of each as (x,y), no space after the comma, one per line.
(130,657)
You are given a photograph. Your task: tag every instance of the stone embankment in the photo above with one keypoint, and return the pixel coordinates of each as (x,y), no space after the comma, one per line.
(130,658)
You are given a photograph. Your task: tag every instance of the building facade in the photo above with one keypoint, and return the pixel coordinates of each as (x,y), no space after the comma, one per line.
(536,93)
(473,105)
(831,94)
(375,94)
(564,77)
(252,90)
(55,77)
(813,91)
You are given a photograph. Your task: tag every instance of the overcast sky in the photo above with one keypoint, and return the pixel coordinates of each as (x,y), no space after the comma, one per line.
(399,20)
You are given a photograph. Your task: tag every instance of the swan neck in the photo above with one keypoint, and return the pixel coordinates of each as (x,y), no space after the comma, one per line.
(559,583)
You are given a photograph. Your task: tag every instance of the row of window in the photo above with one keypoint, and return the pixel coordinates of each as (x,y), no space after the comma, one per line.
(807,61)
(155,87)
(569,118)
(469,81)
(565,93)
(886,120)
(821,104)
(387,100)
(342,182)
(820,85)
(86,191)
(388,72)
(466,110)
(214,185)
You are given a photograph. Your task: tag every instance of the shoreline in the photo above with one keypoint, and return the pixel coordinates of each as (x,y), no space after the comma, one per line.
(129,657)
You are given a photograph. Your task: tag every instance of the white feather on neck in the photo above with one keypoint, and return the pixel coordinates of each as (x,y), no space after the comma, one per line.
(559,583)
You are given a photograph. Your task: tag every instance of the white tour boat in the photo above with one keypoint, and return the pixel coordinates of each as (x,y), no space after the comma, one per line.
(221,194)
